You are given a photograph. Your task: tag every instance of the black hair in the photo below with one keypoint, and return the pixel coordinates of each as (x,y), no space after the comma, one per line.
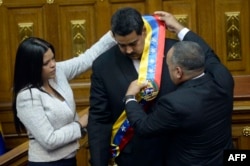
(28,69)
(126,20)
(188,55)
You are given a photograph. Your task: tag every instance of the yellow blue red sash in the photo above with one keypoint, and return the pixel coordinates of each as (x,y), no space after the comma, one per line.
(150,69)
(153,53)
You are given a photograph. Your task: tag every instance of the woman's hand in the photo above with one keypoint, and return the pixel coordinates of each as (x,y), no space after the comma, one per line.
(83,120)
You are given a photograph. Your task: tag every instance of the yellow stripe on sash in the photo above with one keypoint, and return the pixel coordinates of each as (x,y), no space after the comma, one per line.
(144,59)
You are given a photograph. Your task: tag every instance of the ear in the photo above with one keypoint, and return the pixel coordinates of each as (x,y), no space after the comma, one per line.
(179,72)
(144,30)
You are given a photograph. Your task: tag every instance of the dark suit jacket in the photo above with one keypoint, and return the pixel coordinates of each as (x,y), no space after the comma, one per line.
(111,76)
(195,118)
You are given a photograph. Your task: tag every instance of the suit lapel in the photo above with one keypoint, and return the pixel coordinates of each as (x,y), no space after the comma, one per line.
(127,67)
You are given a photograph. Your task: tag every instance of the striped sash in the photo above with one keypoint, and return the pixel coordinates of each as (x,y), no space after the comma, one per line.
(150,69)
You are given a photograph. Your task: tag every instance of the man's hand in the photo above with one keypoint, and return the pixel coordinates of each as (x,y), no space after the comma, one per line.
(135,88)
(172,24)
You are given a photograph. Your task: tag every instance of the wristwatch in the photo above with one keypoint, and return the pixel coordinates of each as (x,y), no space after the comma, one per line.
(83,129)
(129,98)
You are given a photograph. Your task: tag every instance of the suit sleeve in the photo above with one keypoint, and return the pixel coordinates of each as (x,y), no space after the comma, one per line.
(83,62)
(99,123)
(163,118)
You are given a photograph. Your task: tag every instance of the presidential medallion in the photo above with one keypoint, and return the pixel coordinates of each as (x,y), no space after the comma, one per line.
(150,91)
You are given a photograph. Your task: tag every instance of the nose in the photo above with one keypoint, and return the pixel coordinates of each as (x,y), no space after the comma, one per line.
(53,63)
(128,50)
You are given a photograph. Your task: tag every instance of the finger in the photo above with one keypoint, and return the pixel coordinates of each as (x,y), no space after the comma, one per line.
(160,13)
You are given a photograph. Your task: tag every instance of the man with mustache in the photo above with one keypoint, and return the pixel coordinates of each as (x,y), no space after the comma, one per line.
(112,74)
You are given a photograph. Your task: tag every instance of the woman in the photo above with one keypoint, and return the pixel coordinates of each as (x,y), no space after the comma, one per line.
(43,100)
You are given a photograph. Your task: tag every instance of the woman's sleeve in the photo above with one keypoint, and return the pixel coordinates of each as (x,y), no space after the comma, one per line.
(31,113)
(83,62)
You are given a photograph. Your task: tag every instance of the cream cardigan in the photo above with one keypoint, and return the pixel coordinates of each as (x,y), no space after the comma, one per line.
(50,121)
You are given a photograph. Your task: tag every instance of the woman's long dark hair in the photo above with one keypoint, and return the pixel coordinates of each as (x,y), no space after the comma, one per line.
(28,69)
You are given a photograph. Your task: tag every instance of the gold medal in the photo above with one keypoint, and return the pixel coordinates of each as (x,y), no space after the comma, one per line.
(150,91)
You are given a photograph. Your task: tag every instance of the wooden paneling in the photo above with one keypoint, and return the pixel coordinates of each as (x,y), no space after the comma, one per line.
(241,112)
(17,156)
(69,16)
(13,17)
(232,34)
(241,127)
(184,11)
(206,21)
(242,87)
(240,141)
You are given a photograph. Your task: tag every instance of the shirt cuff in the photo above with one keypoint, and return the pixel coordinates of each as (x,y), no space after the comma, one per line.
(183,33)
(128,100)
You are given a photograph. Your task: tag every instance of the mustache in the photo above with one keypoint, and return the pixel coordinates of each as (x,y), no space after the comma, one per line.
(131,54)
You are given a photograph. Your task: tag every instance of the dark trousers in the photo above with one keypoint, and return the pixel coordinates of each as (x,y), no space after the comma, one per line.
(63,162)
(145,152)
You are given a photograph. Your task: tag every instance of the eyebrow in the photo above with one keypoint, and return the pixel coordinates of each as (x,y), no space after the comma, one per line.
(47,61)
(131,43)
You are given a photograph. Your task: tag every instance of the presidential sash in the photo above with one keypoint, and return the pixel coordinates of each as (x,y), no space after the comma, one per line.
(150,70)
